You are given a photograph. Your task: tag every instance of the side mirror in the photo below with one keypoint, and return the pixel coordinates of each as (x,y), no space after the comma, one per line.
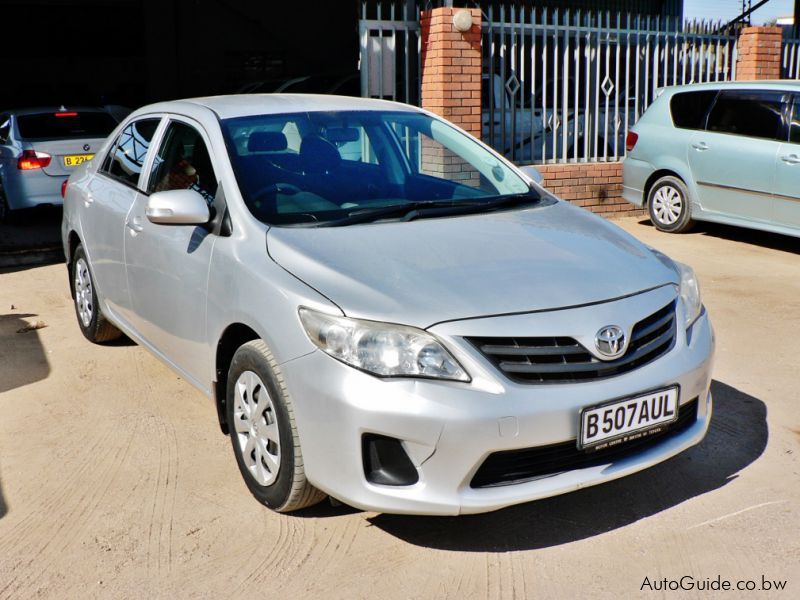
(532,173)
(177,207)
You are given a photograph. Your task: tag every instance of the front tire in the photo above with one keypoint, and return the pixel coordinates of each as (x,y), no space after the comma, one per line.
(263,431)
(94,326)
(668,205)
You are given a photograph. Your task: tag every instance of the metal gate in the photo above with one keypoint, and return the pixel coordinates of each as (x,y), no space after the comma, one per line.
(566,86)
(390,51)
(791,58)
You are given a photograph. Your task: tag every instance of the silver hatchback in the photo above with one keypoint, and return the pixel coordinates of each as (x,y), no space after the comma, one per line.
(381,307)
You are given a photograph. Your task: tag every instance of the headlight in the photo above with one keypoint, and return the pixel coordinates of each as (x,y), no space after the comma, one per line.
(690,293)
(381,348)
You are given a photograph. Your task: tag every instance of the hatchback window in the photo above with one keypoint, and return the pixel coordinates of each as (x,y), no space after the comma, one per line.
(127,155)
(689,109)
(65,125)
(748,113)
(183,163)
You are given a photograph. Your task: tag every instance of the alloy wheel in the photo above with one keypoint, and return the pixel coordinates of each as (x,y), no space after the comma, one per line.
(84,301)
(667,204)
(256,427)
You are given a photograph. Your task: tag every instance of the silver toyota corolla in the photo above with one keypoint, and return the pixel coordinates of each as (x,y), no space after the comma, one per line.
(382,308)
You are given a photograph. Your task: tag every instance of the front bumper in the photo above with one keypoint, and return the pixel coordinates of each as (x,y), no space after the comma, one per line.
(449,428)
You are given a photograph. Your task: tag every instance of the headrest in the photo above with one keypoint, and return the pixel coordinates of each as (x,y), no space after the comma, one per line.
(342,134)
(318,155)
(267,141)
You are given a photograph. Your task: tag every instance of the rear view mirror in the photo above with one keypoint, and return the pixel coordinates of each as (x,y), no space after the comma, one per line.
(177,207)
(342,135)
(532,173)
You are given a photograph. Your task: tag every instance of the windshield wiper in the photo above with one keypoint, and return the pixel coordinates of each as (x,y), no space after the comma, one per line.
(431,208)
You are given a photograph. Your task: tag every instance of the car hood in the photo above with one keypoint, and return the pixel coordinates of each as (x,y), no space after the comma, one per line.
(427,271)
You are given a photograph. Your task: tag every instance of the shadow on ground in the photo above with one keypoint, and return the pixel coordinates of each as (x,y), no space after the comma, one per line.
(22,356)
(737,437)
(33,237)
(3,507)
(772,241)
(38,227)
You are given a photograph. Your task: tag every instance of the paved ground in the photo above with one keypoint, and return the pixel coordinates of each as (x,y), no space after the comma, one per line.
(114,480)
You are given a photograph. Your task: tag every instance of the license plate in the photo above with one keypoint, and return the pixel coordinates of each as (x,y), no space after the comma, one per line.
(625,420)
(73,160)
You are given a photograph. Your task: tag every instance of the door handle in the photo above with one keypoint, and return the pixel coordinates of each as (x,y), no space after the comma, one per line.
(135,224)
(700,146)
(89,198)
(791,159)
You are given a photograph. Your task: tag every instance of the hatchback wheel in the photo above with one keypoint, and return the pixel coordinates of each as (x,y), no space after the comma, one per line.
(668,204)
(263,431)
(94,326)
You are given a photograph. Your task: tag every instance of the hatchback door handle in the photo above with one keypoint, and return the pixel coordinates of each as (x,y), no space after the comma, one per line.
(135,224)
(701,146)
(791,159)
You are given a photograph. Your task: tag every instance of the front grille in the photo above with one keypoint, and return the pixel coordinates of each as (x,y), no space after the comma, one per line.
(518,466)
(564,360)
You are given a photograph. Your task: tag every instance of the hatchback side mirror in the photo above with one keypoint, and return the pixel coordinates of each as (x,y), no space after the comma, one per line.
(177,207)
(532,173)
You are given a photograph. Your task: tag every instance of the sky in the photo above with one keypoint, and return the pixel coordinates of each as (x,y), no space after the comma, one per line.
(729,9)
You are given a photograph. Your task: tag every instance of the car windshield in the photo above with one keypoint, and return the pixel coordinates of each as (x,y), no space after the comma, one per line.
(341,167)
(65,125)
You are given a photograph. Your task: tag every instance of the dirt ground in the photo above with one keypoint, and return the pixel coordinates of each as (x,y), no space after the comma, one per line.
(115,481)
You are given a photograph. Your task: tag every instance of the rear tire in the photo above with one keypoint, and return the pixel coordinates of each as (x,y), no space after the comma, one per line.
(263,431)
(94,326)
(668,205)
(6,214)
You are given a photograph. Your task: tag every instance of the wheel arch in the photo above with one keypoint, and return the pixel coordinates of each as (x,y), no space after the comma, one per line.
(73,241)
(234,336)
(651,181)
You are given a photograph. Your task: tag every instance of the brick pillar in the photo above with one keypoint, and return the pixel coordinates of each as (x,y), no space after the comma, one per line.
(451,68)
(759,53)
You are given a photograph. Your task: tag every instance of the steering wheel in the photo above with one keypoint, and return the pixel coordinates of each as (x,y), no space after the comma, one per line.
(276,188)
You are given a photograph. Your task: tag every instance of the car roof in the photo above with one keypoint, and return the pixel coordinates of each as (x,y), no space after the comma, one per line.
(243,105)
(51,109)
(772,85)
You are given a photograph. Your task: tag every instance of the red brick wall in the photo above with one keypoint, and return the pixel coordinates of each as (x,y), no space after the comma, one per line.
(594,186)
(759,54)
(451,68)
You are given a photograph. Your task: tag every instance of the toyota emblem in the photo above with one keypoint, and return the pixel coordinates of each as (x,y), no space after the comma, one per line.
(610,341)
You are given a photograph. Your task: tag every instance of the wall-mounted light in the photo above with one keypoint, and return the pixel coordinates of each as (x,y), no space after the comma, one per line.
(462,21)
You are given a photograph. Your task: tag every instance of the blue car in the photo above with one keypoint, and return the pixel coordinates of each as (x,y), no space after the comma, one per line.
(40,148)
(723,152)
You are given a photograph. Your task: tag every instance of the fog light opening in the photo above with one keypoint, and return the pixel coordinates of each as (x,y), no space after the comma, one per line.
(386,461)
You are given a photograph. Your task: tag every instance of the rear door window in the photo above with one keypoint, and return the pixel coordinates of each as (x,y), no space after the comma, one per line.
(126,157)
(689,109)
(65,125)
(751,113)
